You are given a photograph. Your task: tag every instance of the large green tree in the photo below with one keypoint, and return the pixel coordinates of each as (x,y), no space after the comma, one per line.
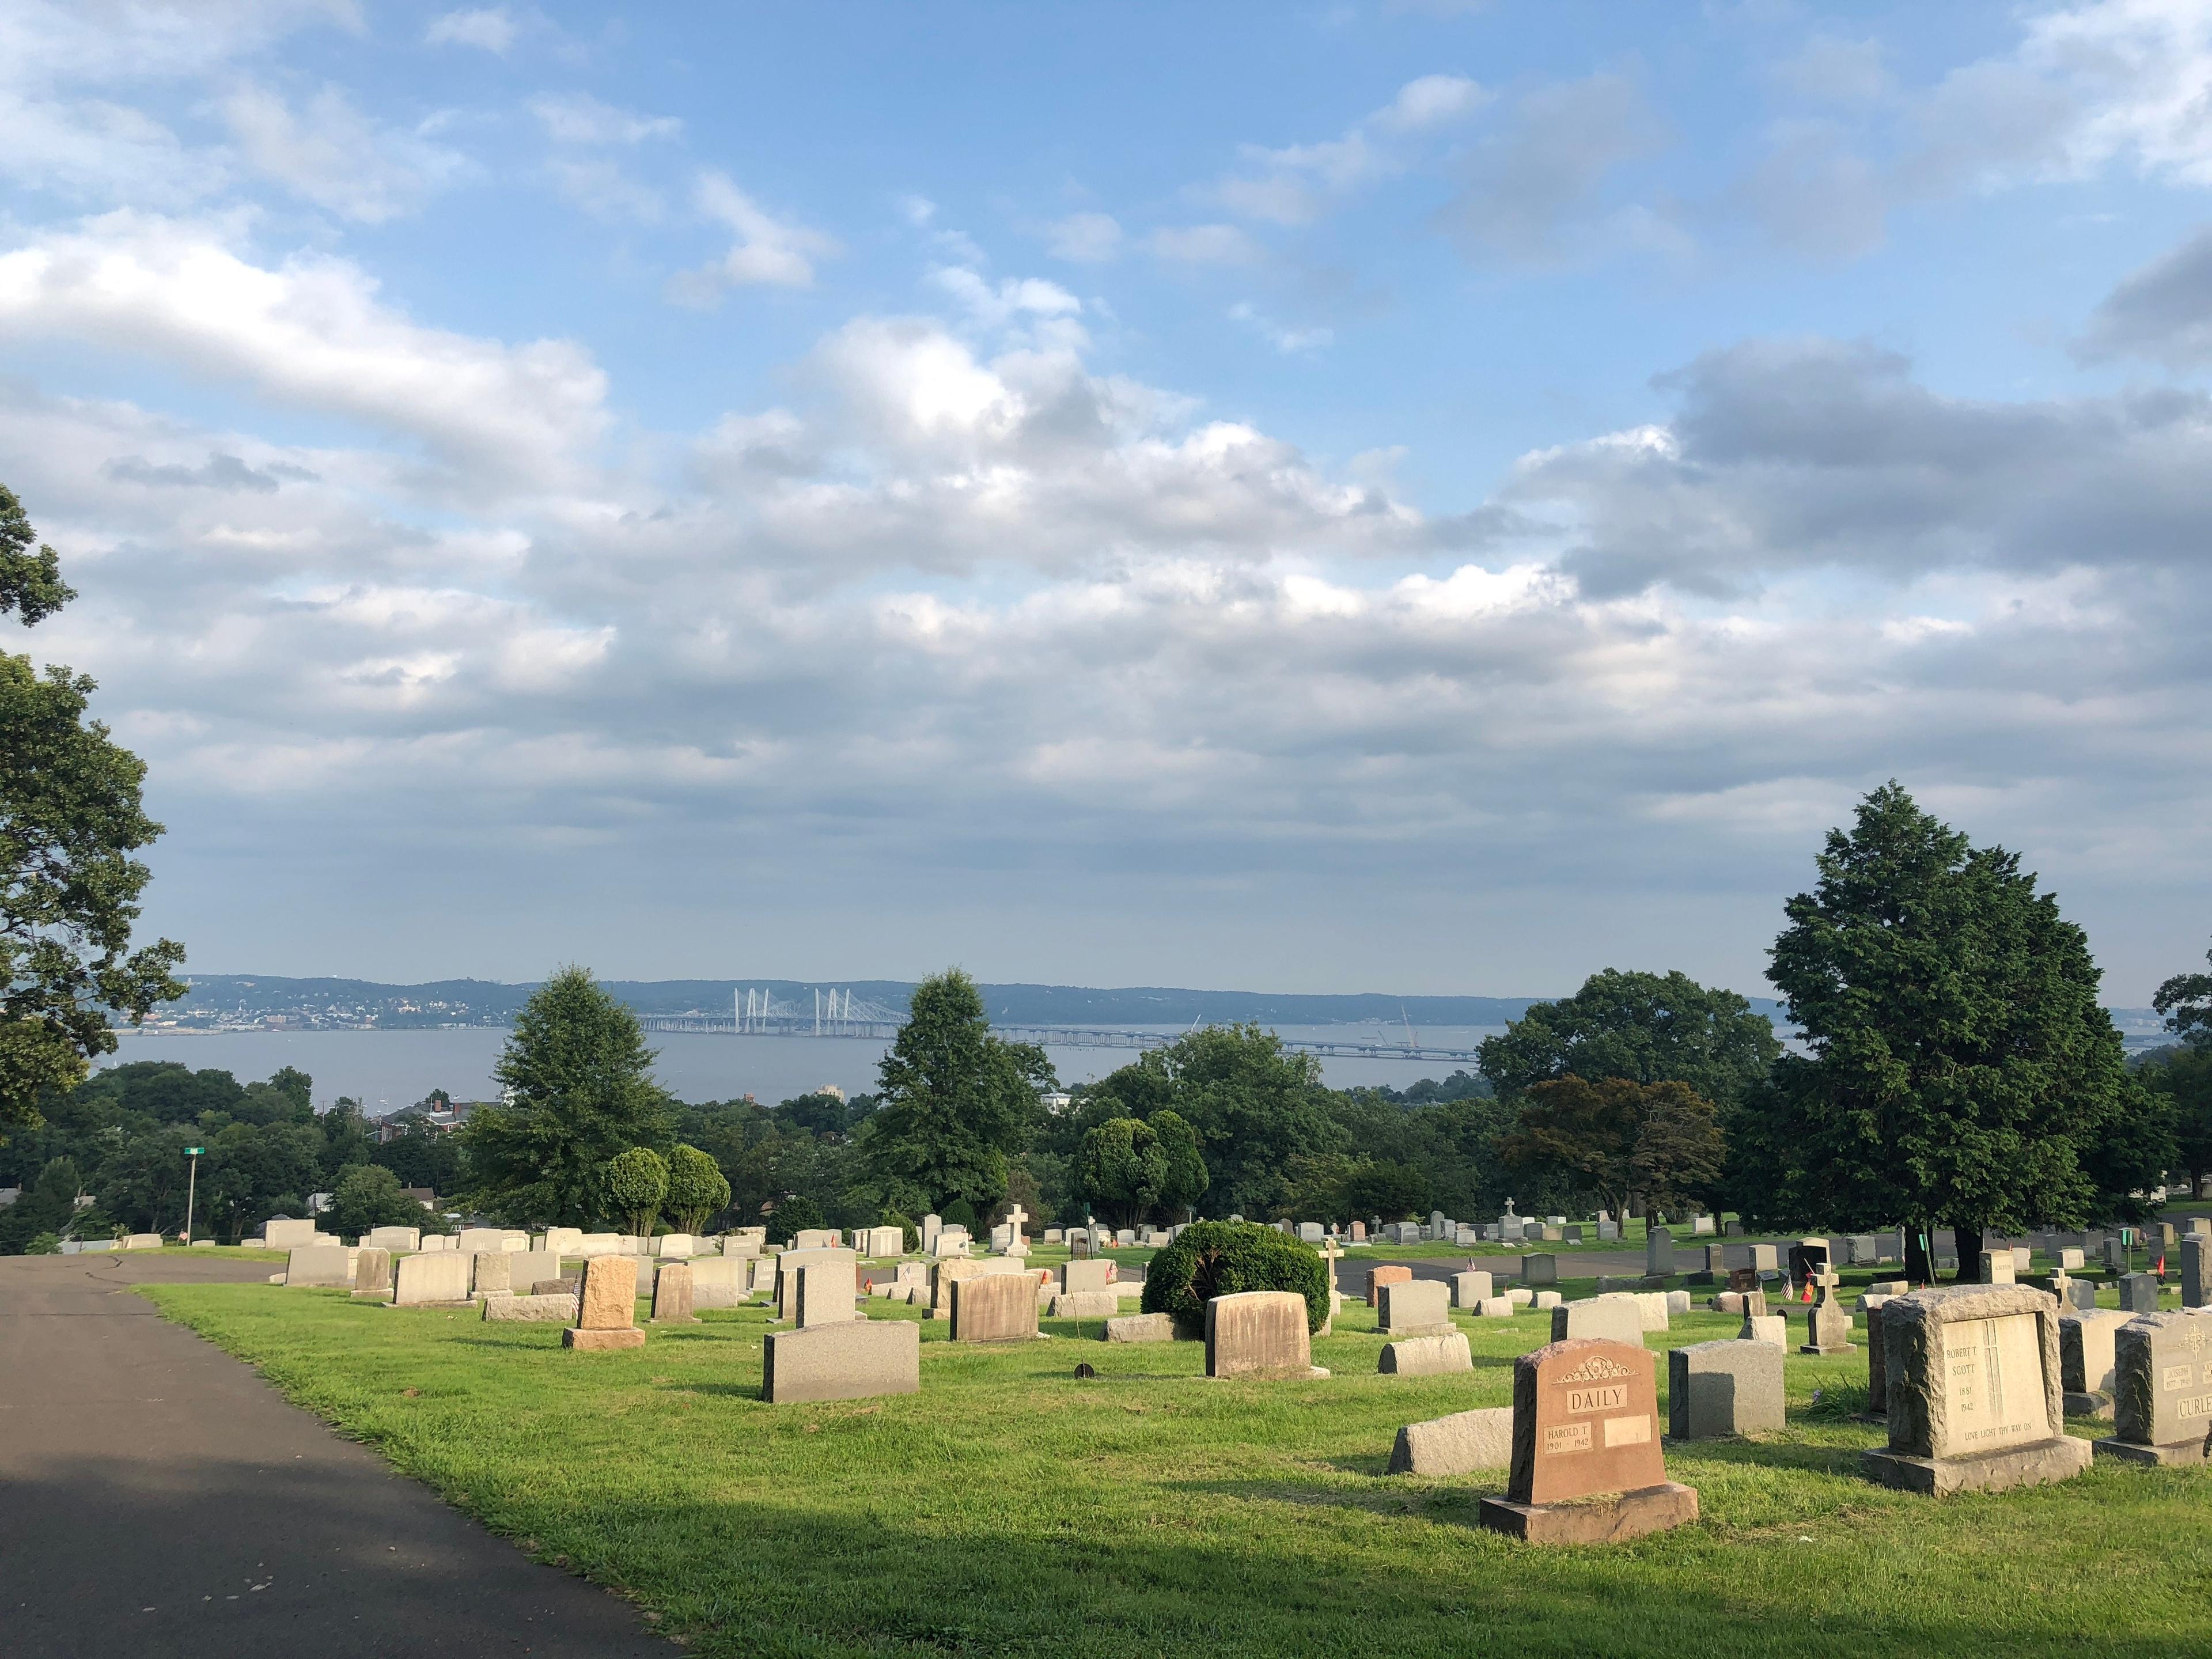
(1648,1028)
(1127,1168)
(2180,1078)
(957,1102)
(1619,1136)
(70,818)
(581,1091)
(1957,1066)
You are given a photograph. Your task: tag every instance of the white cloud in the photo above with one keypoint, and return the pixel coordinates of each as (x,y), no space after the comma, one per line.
(1205,245)
(491,28)
(333,155)
(768,251)
(1541,191)
(1295,184)
(579,118)
(602,189)
(1288,341)
(1086,238)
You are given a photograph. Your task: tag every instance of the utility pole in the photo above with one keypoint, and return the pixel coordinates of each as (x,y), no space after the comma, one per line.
(191,1187)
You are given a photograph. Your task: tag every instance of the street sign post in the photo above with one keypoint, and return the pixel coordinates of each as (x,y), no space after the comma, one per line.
(192,1188)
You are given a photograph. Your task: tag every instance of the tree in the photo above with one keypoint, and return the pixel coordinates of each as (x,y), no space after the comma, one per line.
(71,816)
(697,1189)
(1384,1188)
(368,1195)
(1183,1179)
(582,1092)
(1111,1173)
(956,1103)
(792,1217)
(421,1156)
(1958,1066)
(2181,1078)
(1590,1128)
(1651,1028)
(635,1184)
(256,1171)
(2186,1000)
(47,1208)
(1679,1150)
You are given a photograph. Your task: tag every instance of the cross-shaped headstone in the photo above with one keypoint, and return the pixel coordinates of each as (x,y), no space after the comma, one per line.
(1015,1217)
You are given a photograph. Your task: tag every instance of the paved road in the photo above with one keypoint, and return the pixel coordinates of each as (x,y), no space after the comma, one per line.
(158,1500)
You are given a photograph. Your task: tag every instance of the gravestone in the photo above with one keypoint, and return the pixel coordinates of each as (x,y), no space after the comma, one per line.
(1085,1304)
(675,1247)
(817,1238)
(290,1234)
(372,1275)
(1310,1232)
(930,1225)
(1974,1388)
(1471,1287)
(539,1307)
(786,1275)
(1414,1307)
(564,1241)
(859,1359)
(763,1275)
(1076,1276)
(489,1273)
(1394,1273)
(881,1242)
(1259,1334)
(1462,1444)
(994,1308)
(1426,1356)
(1607,1231)
(1827,1322)
(720,1281)
(1330,1255)
(1701,1226)
(2071,1260)
(397,1240)
(1714,1389)
(607,1312)
(2139,1293)
(472,1240)
(1658,1253)
(1496,1307)
(1542,1301)
(1571,1234)
(1772,1329)
(672,1294)
(1587,1468)
(596,1244)
(2161,1390)
(1359,1232)
(824,1292)
(2196,1270)
(318,1265)
(1539,1270)
(1613,1319)
(1877,1360)
(2086,1360)
(1997,1267)
(1140,1327)
(429,1279)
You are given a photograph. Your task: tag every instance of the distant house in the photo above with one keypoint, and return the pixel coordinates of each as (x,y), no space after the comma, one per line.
(421,1115)
(422,1195)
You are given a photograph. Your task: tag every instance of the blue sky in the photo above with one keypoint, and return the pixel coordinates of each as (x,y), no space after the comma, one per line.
(1431,497)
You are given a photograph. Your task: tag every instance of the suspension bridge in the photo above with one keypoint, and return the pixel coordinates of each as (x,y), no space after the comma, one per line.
(835,1013)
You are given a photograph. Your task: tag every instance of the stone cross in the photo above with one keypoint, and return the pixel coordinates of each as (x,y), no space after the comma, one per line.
(1015,1217)
(1330,1255)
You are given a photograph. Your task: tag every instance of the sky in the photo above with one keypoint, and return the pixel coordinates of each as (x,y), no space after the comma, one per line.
(1421,497)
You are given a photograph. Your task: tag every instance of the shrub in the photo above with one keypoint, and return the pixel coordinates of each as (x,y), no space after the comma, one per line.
(697,1188)
(635,1182)
(959,1213)
(368,1195)
(911,1234)
(1220,1258)
(792,1217)
(42,1244)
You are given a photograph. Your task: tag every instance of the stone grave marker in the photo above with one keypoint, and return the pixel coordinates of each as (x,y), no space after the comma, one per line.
(1586,1465)
(1716,1390)
(430,1279)
(290,1234)
(318,1265)
(1140,1327)
(2139,1293)
(786,1275)
(1972,1385)
(2196,1269)
(397,1240)
(1260,1333)
(1614,1319)
(859,1359)
(1395,1273)
(564,1241)
(672,1294)
(2161,1390)
(474,1239)
(1997,1267)
(1827,1321)
(1426,1356)
(1078,1276)
(720,1281)
(607,1312)
(1470,1287)
(1658,1253)
(2086,1359)
(884,1241)
(1539,1270)
(1462,1444)
(1414,1307)
(372,1275)
(994,1308)
(823,1293)
(545,1308)
(675,1247)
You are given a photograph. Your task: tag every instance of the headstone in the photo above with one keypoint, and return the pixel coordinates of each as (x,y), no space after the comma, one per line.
(2086,1359)
(930,1226)
(1520,1295)
(1055,1235)
(1261,1333)
(2196,1270)
(1609,1318)
(786,1275)
(824,1292)
(1462,1443)
(317,1265)
(1539,1270)
(1827,1322)
(720,1281)
(1877,1360)
(1497,1307)
(1470,1287)
(672,1294)
(1701,1226)
(884,1241)
(2162,1389)
(1770,1328)
(1414,1307)
(1310,1232)
(994,1308)
(1607,1231)
(1124,1238)
(564,1241)
(1678,1301)
(606,1312)
(1586,1427)
(815,1238)
(2139,1293)
(1359,1232)
(474,1239)
(2071,1260)
(1714,1389)
(675,1247)
(1075,1276)
(1394,1272)
(596,1244)
(290,1234)
(763,1275)
(1084,1304)
(1972,1386)
(551,1308)
(397,1240)
(1571,1233)
(859,1359)
(1426,1356)
(1140,1327)
(429,1278)
(1997,1267)
(1541,1301)
(1658,1253)
(372,1275)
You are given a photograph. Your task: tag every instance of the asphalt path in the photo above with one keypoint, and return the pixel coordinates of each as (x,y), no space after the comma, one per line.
(158,1500)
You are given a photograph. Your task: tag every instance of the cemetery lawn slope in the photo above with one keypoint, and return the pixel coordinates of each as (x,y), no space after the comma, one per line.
(1011,1509)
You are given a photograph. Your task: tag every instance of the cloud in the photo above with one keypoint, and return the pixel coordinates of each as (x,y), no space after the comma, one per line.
(331,155)
(2163,311)
(602,189)
(579,118)
(1087,239)
(1205,245)
(768,251)
(1831,70)
(1288,341)
(1295,183)
(491,28)
(1536,193)
(309,334)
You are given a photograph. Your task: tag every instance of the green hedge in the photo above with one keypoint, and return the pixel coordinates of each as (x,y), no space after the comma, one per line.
(1220,1258)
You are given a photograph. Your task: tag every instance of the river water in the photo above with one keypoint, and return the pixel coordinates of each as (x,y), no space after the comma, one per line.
(386,1070)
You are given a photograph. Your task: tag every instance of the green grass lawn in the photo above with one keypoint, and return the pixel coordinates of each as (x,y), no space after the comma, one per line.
(1011,1508)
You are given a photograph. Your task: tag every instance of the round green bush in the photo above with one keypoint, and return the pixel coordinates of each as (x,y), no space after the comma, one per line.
(959,1213)
(1220,1258)
(792,1216)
